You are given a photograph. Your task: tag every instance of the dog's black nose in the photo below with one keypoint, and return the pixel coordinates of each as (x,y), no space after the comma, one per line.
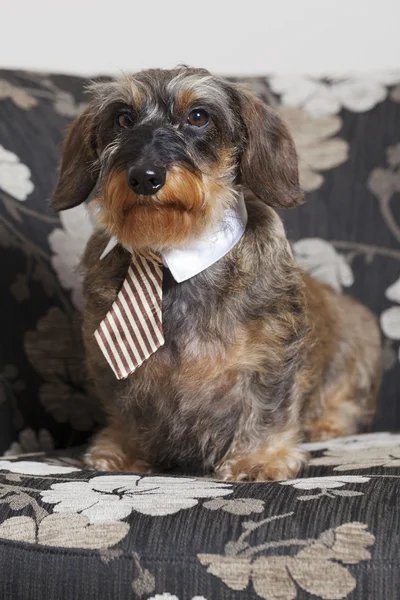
(146,179)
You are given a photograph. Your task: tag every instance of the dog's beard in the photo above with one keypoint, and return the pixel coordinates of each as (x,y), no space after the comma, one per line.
(183,208)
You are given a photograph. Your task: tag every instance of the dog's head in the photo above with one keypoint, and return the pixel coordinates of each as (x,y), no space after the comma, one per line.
(167,151)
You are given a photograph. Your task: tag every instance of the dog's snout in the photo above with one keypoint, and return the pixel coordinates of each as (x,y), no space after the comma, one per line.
(146,179)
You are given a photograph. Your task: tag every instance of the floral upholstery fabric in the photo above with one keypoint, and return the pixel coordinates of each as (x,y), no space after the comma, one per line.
(69,533)
(347,133)
(333,533)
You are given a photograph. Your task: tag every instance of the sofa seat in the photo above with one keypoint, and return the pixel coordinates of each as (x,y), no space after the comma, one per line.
(332,533)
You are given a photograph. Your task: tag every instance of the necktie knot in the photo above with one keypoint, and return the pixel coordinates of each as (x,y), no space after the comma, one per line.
(152,256)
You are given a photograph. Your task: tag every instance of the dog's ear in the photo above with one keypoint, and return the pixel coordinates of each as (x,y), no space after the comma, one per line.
(269,165)
(78,171)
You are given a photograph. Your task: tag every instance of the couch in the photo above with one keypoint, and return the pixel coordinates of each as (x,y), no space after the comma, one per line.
(70,533)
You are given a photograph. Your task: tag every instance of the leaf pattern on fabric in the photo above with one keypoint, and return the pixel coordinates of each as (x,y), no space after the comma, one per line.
(65,531)
(20,289)
(238,506)
(317,149)
(65,392)
(316,568)
(25,98)
(20,97)
(144,582)
(75,531)
(31,441)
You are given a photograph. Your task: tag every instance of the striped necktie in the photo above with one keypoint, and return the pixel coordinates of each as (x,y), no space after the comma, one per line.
(132,329)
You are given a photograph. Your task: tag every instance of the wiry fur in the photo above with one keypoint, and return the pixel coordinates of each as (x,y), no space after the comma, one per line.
(258,355)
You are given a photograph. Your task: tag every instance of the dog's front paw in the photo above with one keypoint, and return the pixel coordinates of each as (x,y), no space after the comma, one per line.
(266,463)
(106,454)
(99,461)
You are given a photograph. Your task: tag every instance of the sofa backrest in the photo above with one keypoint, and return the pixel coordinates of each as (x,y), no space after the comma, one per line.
(347,133)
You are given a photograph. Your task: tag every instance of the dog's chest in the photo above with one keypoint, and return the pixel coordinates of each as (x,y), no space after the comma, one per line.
(196,354)
(186,398)
(186,405)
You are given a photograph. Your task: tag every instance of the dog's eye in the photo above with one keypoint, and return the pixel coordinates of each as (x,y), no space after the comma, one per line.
(125,120)
(198,117)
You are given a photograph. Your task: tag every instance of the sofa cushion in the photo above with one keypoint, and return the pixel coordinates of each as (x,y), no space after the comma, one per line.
(331,534)
(347,133)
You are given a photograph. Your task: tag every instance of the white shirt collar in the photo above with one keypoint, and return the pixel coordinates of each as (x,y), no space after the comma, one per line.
(206,250)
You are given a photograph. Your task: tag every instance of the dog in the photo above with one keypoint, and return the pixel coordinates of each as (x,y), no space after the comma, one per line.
(258,356)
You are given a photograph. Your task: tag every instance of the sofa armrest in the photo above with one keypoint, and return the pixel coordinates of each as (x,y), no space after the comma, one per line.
(7,429)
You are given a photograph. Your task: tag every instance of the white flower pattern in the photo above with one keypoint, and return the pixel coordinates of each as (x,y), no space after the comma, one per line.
(327,486)
(330,482)
(15,177)
(321,98)
(68,245)
(167,596)
(390,318)
(363,459)
(113,497)
(164,596)
(27,467)
(358,452)
(365,441)
(323,262)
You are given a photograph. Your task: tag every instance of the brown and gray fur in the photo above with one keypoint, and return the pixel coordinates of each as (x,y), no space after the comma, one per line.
(258,355)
